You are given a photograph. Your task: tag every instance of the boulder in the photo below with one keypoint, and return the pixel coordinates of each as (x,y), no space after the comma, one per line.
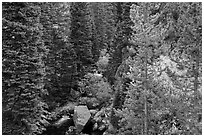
(81,117)
(64,121)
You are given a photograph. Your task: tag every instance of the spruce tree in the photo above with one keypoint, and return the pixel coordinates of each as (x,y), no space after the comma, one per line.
(23,66)
(118,64)
(80,36)
(123,33)
(61,58)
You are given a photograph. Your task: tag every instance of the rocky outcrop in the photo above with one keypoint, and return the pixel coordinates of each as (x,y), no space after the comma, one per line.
(81,120)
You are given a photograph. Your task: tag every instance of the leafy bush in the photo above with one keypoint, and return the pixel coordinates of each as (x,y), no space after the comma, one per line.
(95,86)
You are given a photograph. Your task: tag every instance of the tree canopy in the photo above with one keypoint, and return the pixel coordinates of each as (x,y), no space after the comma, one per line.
(135,67)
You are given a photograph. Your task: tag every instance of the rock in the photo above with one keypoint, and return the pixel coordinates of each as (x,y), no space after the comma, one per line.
(100,115)
(44,122)
(81,117)
(65,120)
(95,126)
(71,131)
(93,111)
(102,127)
(67,109)
(98,119)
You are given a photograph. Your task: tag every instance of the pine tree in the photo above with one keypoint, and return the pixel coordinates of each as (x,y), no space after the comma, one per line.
(61,59)
(81,36)
(23,65)
(122,37)
(157,84)
(103,15)
(122,33)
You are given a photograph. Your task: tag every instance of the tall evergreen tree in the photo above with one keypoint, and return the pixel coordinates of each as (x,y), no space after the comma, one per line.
(61,58)
(103,15)
(148,57)
(23,65)
(169,103)
(118,66)
(122,36)
(80,36)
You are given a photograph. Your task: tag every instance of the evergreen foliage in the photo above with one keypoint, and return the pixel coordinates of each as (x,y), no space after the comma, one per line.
(81,37)
(166,94)
(122,35)
(136,66)
(23,65)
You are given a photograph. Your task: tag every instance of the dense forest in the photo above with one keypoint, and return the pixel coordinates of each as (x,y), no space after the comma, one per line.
(99,68)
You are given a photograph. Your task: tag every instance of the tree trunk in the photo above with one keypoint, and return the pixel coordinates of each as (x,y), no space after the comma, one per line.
(145,82)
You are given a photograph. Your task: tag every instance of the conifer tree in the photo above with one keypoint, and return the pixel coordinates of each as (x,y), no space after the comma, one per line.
(23,65)
(103,15)
(80,36)
(122,33)
(157,88)
(121,41)
(61,58)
